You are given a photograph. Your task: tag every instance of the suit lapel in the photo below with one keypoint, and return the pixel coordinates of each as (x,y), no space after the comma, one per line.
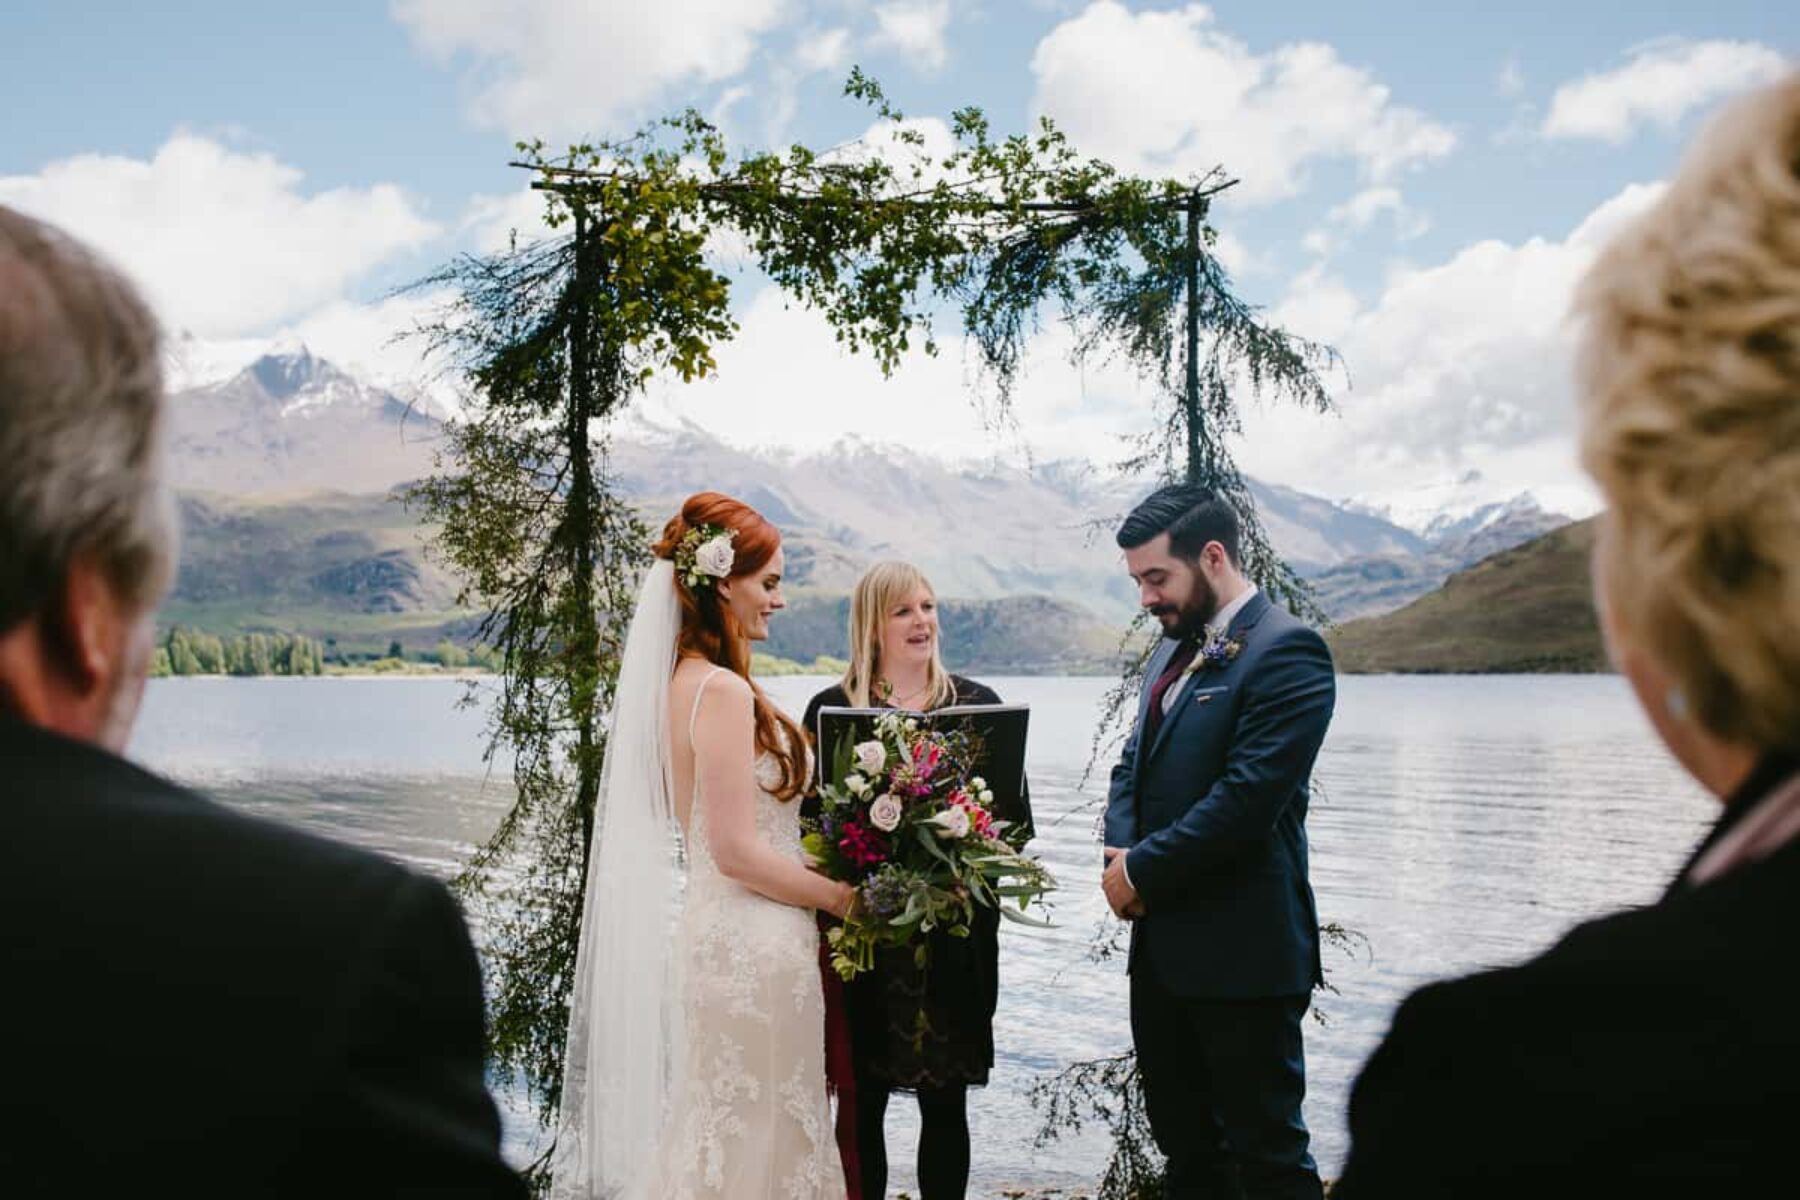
(1246,620)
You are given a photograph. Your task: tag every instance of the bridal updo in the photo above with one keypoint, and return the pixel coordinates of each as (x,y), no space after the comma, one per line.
(1690,382)
(710,631)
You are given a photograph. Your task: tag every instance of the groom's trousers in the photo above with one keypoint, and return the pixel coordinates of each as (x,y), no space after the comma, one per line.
(1223,1082)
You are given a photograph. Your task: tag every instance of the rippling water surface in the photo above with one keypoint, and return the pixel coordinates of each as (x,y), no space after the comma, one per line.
(1463,822)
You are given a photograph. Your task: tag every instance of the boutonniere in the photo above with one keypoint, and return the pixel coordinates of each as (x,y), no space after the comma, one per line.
(1217,650)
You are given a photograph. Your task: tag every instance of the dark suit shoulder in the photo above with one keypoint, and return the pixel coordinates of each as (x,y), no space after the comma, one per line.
(1600,1051)
(1279,627)
(134,825)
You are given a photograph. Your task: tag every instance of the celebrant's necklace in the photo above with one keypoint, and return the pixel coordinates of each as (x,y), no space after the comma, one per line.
(901,701)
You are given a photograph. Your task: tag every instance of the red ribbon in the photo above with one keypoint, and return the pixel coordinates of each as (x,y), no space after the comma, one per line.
(840,1071)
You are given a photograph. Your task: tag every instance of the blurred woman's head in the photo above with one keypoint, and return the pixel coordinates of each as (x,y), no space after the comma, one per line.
(1689,372)
(894,632)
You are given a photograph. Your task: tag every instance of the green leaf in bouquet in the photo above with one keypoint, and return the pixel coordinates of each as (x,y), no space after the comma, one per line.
(1020,917)
(843,755)
(959,931)
(928,840)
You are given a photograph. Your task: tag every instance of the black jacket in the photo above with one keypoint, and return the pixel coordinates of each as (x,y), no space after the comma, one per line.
(198,1003)
(1648,1053)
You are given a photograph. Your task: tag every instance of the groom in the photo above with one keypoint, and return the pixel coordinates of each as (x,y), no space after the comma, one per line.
(1206,855)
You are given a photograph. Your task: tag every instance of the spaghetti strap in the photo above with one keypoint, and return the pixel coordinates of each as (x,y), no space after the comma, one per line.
(698,693)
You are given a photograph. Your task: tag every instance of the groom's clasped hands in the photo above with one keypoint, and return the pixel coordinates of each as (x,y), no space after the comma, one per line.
(1121,897)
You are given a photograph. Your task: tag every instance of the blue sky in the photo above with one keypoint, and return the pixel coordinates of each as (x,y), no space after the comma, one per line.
(1421,184)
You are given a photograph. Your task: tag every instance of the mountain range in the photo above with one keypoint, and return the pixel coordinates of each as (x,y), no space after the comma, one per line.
(285,468)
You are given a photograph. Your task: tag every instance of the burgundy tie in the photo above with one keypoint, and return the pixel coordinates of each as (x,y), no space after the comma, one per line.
(1184,654)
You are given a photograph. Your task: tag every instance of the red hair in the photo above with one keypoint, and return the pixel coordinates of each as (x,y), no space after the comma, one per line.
(709,630)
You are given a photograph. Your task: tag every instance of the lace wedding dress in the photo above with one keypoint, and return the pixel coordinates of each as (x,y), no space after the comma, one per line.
(695,1062)
(749,1115)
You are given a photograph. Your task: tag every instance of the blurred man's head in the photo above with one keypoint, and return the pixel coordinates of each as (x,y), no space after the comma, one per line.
(87,522)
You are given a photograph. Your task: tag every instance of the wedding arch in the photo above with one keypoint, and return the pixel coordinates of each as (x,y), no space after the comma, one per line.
(554,336)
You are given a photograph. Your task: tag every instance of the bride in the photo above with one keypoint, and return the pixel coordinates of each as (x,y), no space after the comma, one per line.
(695,1064)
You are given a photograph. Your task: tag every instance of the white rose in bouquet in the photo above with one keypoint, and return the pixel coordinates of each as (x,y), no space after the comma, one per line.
(715,557)
(952,822)
(871,756)
(884,814)
(856,785)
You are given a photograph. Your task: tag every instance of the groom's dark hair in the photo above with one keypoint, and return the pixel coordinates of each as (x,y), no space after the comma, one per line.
(1191,515)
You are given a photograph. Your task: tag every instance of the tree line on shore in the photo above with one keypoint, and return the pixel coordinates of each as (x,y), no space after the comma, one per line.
(184,651)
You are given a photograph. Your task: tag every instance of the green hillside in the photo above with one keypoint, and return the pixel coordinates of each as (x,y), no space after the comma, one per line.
(1528,609)
(351,572)
(1020,635)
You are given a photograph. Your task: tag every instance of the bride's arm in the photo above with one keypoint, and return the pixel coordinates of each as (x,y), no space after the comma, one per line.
(725,763)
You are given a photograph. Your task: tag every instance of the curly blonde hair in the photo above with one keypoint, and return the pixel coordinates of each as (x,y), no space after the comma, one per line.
(1689,370)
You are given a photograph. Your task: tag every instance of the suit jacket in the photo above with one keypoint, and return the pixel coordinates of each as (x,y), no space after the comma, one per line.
(197,1003)
(1651,1052)
(1214,812)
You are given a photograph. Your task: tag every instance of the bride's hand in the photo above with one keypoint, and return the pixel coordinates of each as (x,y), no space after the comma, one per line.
(844,896)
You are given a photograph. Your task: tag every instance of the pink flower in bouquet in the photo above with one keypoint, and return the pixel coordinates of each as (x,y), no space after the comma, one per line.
(927,757)
(980,819)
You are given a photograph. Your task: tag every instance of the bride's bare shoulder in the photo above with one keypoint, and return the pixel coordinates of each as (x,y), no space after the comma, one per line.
(693,673)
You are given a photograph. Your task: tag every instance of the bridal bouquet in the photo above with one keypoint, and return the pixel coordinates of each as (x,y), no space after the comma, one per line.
(903,821)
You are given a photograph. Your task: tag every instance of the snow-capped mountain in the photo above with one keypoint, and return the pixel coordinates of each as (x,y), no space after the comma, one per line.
(289,423)
(1453,508)
(293,422)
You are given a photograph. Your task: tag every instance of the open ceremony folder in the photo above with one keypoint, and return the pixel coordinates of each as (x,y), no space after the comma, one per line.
(999,730)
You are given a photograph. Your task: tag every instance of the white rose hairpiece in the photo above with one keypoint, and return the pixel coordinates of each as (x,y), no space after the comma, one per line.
(704,554)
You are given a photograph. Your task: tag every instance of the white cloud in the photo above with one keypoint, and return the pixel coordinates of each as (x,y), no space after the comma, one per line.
(1357,214)
(493,220)
(1659,83)
(556,68)
(783,381)
(224,243)
(1170,93)
(828,50)
(1238,258)
(1458,366)
(1510,79)
(914,29)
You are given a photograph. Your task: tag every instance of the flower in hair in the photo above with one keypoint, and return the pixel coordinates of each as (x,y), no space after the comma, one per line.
(704,554)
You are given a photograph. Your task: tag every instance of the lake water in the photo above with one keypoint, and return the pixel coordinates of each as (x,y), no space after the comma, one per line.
(1463,822)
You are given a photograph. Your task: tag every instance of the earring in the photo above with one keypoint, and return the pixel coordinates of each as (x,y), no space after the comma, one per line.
(1677,704)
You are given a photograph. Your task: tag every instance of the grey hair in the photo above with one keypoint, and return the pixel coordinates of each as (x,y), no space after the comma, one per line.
(81,425)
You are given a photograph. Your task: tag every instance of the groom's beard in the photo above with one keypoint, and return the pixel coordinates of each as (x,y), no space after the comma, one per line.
(1186,621)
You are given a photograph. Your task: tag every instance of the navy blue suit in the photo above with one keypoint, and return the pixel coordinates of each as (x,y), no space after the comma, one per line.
(1213,811)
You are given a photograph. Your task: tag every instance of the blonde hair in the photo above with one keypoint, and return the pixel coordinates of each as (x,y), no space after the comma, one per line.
(882,587)
(1689,371)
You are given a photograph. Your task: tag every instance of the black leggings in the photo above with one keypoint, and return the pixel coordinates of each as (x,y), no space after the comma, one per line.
(943,1140)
